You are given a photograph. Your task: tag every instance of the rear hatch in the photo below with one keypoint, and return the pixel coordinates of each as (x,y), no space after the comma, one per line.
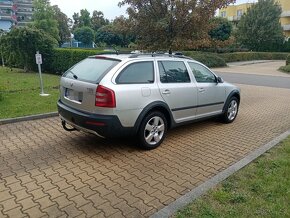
(78,85)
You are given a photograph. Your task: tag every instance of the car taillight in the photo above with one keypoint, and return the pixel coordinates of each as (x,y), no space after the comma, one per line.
(105,97)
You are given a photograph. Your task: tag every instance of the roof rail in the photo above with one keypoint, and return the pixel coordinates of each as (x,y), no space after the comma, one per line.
(179,55)
(114,53)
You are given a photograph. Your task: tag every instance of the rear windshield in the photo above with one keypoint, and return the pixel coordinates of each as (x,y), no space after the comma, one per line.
(91,69)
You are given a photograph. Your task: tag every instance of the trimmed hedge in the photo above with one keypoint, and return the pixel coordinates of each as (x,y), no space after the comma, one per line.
(63,59)
(250,56)
(208,59)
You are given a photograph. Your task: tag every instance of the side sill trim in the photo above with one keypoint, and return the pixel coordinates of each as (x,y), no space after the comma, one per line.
(197,106)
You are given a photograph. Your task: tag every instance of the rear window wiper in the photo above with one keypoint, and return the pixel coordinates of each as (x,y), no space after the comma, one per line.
(74,76)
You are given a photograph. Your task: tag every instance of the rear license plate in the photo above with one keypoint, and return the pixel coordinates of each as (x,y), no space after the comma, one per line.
(73,95)
(69,93)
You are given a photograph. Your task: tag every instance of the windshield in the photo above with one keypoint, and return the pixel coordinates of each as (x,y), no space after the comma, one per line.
(91,69)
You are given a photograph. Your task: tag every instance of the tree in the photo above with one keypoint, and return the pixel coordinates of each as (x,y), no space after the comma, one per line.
(260,28)
(171,24)
(84,19)
(98,20)
(106,34)
(85,35)
(76,20)
(63,24)
(81,19)
(221,29)
(44,19)
(2,33)
(122,27)
(20,45)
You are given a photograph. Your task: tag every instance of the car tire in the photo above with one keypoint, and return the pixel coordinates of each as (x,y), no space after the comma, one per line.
(152,130)
(231,110)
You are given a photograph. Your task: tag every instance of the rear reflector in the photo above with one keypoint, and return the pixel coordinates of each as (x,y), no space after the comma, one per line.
(95,123)
(105,97)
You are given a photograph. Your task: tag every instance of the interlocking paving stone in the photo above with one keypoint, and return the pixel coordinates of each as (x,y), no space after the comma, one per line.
(46,171)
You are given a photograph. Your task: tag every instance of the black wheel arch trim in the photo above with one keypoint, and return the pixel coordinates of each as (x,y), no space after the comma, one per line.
(149,108)
(233,93)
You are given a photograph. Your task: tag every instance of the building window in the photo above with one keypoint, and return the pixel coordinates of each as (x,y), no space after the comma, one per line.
(239,13)
(223,14)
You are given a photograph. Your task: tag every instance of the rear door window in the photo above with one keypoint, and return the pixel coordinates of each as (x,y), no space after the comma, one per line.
(137,73)
(173,72)
(91,69)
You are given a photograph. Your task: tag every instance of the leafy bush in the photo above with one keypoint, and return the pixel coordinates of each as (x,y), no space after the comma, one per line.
(85,35)
(285,69)
(288,60)
(249,56)
(20,45)
(208,59)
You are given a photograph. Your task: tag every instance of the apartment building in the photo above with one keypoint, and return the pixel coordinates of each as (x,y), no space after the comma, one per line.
(234,13)
(285,16)
(15,13)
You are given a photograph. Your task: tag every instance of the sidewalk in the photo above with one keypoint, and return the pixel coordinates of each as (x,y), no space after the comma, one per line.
(269,68)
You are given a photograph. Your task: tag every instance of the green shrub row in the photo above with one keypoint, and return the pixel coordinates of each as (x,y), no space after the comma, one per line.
(63,59)
(208,59)
(249,56)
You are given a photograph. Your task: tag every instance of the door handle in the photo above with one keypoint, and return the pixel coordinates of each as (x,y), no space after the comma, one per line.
(201,90)
(166,92)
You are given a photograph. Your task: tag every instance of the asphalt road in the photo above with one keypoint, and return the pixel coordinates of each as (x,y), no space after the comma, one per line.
(257,80)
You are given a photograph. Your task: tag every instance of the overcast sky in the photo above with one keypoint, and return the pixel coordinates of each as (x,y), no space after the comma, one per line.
(108,7)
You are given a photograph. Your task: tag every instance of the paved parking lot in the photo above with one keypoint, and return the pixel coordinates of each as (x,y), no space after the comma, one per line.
(46,171)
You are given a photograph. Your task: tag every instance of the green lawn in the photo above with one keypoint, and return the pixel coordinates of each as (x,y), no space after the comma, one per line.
(19,93)
(261,189)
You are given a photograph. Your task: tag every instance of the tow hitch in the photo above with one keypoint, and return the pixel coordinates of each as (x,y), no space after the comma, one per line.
(65,127)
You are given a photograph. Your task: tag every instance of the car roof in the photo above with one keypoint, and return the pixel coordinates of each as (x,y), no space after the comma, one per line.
(142,56)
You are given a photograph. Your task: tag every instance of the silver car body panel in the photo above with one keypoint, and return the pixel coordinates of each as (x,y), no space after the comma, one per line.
(187,101)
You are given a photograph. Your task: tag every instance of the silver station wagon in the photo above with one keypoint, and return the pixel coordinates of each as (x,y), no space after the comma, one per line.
(142,96)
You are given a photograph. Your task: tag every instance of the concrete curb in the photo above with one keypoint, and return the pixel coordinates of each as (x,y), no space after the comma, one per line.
(184,200)
(27,118)
(245,63)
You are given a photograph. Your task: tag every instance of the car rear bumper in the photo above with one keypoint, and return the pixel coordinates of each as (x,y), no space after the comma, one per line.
(108,126)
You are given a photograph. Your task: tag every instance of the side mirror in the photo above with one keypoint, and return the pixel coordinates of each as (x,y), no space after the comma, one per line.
(219,80)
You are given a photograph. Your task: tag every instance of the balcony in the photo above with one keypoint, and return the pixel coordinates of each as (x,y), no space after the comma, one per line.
(2,14)
(23,23)
(22,12)
(286,27)
(285,14)
(234,18)
(6,6)
(27,4)
(8,18)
